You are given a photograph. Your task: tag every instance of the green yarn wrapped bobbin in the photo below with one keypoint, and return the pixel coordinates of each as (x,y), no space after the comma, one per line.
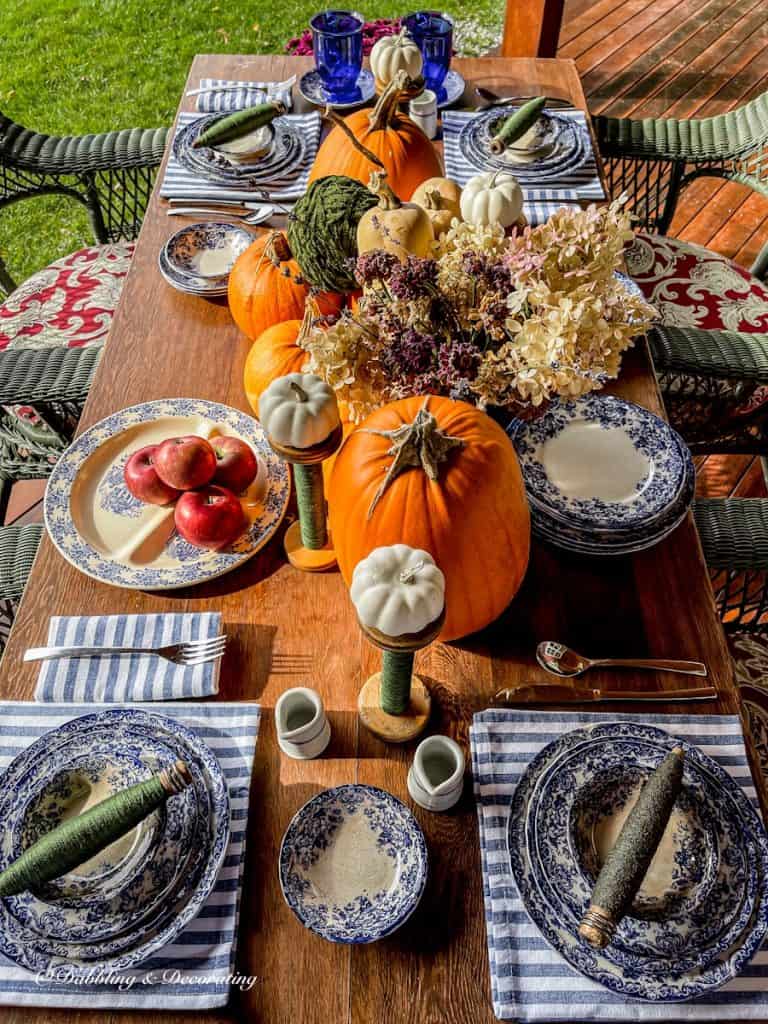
(322,231)
(75,841)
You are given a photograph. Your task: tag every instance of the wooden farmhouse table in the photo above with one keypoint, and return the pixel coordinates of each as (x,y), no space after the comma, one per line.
(435,969)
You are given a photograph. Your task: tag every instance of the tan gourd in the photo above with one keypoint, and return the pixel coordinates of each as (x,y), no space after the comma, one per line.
(449,191)
(403,229)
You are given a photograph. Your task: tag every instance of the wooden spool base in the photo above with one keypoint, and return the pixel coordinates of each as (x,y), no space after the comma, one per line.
(394,728)
(307,559)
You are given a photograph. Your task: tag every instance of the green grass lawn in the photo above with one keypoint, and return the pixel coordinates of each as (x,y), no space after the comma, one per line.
(70,66)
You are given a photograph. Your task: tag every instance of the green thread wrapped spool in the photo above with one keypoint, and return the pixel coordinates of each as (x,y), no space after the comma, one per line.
(310,497)
(625,866)
(396,674)
(322,231)
(517,124)
(75,841)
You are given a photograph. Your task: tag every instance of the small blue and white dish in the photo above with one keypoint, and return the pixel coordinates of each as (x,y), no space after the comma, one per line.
(353,864)
(211,288)
(312,89)
(451,90)
(691,958)
(207,250)
(35,934)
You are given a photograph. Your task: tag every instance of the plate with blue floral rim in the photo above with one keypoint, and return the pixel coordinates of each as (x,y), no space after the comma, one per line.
(600,461)
(700,890)
(102,530)
(353,864)
(211,288)
(571,148)
(557,926)
(312,89)
(451,90)
(206,251)
(283,161)
(29,944)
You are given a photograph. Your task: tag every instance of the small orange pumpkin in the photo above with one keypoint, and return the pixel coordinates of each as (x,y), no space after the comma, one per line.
(380,139)
(442,476)
(266,287)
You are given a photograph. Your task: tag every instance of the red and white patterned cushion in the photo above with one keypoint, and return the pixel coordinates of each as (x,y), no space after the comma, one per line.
(71,302)
(693,287)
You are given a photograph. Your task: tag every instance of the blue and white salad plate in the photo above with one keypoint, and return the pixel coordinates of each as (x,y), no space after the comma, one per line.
(353,864)
(206,251)
(703,910)
(106,533)
(155,892)
(190,284)
(312,89)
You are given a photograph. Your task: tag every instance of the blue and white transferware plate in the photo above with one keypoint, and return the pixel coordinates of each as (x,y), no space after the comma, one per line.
(28,942)
(699,892)
(211,288)
(311,88)
(600,461)
(353,864)
(571,148)
(106,533)
(283,161)
(207,250)
(621,967)
(451,90)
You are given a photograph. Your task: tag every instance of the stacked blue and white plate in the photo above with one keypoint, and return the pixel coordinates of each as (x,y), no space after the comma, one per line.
(198,258)
(603,476)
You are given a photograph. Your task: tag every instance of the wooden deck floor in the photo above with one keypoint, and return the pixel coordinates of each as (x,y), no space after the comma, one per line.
(673,58)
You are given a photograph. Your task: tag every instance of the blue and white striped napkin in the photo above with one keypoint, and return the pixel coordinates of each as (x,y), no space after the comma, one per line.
(135,677)
(291,184)
(529,980)
(195,971)
(247,94)
(583,183)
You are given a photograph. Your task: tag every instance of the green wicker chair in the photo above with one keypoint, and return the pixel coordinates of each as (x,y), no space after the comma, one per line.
(18,547)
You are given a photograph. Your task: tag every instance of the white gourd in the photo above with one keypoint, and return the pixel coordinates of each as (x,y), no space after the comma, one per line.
(299,410)
(398,590)
(492,198)
(395,53)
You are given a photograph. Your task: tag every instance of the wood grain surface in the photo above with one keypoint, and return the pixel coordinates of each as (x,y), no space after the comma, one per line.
(435,969)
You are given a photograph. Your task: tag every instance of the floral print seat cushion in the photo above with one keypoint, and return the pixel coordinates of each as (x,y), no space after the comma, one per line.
(749,652)
(70,302)
(693,287)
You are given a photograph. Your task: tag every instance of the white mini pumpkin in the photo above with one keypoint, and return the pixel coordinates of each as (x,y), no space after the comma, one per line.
(395,53)
(492,198)
(299,410)
(397,590)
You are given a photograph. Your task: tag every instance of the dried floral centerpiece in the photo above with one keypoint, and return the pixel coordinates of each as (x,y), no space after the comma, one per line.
(493,320)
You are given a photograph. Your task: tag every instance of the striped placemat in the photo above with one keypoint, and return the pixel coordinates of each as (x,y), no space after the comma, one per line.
(180,183)
(134,677)
(529,980)
(196,970)
(583,183)
(239,94)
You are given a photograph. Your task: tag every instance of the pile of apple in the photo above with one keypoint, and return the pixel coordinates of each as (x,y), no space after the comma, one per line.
(203,478)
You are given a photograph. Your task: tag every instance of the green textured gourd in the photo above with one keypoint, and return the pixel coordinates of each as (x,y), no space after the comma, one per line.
(75,841)
(322,231)
(625,866)
(240,123)
(517,124)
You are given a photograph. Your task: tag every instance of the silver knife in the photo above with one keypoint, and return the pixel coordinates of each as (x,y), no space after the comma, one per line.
(561,693)
(235,204)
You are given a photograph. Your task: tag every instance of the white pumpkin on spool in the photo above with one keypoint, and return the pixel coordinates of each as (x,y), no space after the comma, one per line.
(398,590)
(493,198)
(299,410)
(392,54)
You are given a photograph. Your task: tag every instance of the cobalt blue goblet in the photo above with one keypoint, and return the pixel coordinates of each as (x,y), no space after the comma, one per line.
(337,40)
(433,34)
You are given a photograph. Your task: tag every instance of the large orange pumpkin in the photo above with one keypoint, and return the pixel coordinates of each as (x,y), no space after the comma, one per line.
(442,476)
(266,287)
(398,146)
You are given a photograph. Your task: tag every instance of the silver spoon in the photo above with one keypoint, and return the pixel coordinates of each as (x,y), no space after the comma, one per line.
(257,217)
(562,661)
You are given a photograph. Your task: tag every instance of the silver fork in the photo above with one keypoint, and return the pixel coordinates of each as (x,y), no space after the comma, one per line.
(257,217)
(189,652)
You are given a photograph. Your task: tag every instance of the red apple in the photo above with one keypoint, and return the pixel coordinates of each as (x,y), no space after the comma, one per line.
(236,465)
(142,479)
(185,462)
(209,518)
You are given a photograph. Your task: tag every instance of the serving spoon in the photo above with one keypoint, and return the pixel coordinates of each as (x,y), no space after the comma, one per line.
(563,661)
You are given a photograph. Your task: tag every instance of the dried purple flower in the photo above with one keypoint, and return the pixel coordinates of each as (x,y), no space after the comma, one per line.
(413,278)
(374,266)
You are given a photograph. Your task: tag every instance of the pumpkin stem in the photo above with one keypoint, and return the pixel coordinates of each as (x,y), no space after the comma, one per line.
(420,444)
(311,313)
(298,390)
(385,113)
(387,198)
(341,123)
(277,248)
(433,199)
(409,575)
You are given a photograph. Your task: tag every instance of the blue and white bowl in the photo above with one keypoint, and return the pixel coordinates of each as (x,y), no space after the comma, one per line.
(690,957)
(130,924)
(353,864)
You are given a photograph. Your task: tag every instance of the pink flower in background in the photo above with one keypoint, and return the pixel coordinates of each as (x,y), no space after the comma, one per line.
(301,46)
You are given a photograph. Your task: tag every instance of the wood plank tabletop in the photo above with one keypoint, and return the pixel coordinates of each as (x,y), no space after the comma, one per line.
(435,969)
